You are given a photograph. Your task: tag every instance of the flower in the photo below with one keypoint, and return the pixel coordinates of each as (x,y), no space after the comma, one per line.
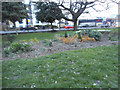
(55,82)
(94,84)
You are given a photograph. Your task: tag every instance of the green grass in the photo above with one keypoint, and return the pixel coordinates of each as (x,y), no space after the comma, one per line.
(40,36)
(114,29)
(45,35)
(28,36)
(75,69)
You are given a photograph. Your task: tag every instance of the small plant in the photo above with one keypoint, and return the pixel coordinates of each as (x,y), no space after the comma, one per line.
(66,34)
(79,36)
(7,39)
(11,37)
(49,43)
(66,40)
(55,39)
(34,40)
(43,50)
(6,52)
(23,41)
(45,41)
(96,35)
(113,36)
(17,48)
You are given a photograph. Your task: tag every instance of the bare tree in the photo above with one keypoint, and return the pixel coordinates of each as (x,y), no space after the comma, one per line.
(78,7)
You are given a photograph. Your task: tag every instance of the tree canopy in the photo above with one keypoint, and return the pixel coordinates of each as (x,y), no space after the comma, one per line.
(13,11)
(48,12)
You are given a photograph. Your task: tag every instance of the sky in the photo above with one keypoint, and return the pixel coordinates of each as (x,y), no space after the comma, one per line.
(111,12)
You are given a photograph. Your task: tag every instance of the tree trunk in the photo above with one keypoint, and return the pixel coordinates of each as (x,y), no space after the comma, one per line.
(75,24)
(52,27)
(15,28)
(7,25)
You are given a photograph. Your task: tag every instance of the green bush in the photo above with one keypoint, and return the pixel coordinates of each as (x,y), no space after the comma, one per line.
(44,41)
(8,39)
(85,32)
(16,48)
(113,36)
(93,34)
(49,43)
(66,34)
(11,37)
(79,36)
(96,35)
(55,39)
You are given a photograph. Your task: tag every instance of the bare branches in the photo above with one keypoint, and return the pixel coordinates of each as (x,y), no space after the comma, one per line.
(76,8)
(65,8)
(116,1)
(67,19)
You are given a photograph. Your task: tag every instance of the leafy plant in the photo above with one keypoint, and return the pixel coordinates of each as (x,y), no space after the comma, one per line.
(16,48)
(85,32)
(66,34)
(113,36)
(79,36)
(45,41)
(6,52)
(55,39)
(49,43)
(34,40)
(23,41)
(11,37)
(43,50)
(96,35)
(7,39)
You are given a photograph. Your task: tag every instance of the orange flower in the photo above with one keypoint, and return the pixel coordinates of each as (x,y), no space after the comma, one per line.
(65,40)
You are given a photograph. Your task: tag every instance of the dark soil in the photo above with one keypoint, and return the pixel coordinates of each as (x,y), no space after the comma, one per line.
(42,50)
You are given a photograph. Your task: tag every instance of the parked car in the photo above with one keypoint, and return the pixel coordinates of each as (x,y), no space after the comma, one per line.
(69,26)
(104,26)
(28,28)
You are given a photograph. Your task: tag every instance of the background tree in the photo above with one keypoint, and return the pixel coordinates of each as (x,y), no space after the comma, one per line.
(48,12)
(78,7)
(13,11)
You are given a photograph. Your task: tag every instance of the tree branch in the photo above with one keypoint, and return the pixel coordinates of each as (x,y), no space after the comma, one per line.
(67,19)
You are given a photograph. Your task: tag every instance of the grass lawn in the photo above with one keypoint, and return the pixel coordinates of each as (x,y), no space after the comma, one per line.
(40,36)
(89,67)
(28,36)
(45,35)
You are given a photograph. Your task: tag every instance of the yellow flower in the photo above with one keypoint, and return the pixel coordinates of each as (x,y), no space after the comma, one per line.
(23,41)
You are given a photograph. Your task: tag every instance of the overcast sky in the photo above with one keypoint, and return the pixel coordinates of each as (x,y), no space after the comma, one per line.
(111,12)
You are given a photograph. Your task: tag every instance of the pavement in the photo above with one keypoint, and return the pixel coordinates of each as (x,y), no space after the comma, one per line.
(44,30)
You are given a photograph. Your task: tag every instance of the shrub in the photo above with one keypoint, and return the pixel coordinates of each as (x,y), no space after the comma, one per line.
(113,36)
(8,39)
(96,35)
(66,34)
(16,48)
(79,36)
(66,40)
(85,32)
(11,37)
(34,40)
(6,52)
(23,41)
(50,44)
(55,39)
(45,41)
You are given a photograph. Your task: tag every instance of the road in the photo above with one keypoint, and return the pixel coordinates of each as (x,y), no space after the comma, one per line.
(43,30)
